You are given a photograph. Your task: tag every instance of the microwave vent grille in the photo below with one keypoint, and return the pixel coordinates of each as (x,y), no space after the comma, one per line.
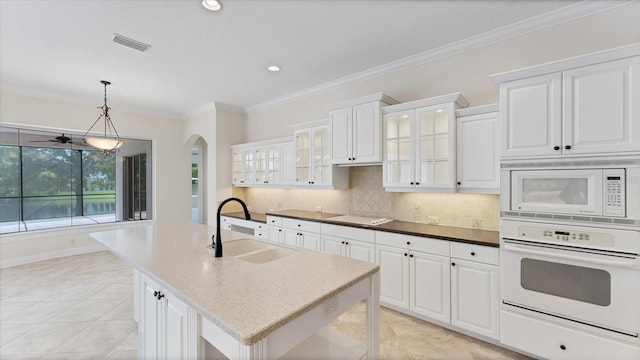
(568,164)
(565,218)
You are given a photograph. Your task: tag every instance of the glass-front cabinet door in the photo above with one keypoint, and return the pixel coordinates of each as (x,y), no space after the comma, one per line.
(433,146)
(398,169)
(321,156)
(260,161)
(313,156)
(237,161)
(303,156)
(419,148)
(249,166)
(273,164)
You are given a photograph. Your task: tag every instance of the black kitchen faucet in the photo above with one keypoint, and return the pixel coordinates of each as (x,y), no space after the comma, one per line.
(216,241)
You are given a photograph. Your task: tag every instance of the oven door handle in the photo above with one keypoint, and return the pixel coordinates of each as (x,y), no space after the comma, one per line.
(516,248)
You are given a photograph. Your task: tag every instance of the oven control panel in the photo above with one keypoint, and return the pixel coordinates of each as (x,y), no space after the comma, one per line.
(557,234)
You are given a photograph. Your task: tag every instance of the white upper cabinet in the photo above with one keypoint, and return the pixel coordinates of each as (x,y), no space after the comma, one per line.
(420,144)
(356,130)
(268,163)
(589,105)
(313,168)
(601,108)
(478,149)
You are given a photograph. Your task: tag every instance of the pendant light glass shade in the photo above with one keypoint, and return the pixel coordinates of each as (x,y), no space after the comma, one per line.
(110,140)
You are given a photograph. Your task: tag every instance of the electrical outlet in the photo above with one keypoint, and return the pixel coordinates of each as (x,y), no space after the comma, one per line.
(476,223)
(331,305)
(433,220)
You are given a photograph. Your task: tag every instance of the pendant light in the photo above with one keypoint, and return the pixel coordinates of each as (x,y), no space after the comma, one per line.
(110,139)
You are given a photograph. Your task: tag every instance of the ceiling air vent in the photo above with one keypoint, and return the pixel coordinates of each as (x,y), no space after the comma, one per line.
(128,42)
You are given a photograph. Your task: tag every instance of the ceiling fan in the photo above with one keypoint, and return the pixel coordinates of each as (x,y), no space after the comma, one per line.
(62,139)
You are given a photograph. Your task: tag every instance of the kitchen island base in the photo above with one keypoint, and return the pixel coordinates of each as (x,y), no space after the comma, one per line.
(308,334)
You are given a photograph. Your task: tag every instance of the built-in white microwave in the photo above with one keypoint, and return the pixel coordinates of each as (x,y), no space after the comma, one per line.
(596,193)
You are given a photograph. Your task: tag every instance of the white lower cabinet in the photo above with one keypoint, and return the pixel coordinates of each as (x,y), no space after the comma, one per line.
(475,304)
(429,291)
(412,278)
(548,340)
(301,233)
(167,328)
(358,244)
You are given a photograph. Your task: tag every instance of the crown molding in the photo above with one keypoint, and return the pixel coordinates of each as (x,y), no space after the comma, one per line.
(476,110)
(386,99)
(573,62)
(456,98)
(536,23)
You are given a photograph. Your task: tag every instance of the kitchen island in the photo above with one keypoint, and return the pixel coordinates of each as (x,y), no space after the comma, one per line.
(258,305)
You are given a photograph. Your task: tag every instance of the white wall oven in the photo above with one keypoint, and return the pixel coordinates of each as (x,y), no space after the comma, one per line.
(584,277)
(593,194)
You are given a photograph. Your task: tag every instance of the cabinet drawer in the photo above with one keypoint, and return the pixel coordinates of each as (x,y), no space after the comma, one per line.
(478,253)
(348,232)
(301,225)
(553,341)
(419,243)
(274,220)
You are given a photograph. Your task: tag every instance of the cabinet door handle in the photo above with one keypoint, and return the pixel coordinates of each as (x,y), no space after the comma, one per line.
(473,253)
(563,347)
(346,243)
(408,242)
(568,147)
(160,296)
(556,148)
(411,183)
(459,183)
(405,254)
(410,255)
(453,264)
(417,183)
(279,230)
(342,242)
(155,293)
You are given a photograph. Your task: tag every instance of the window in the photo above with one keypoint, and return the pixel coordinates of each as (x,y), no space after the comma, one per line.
(51,180)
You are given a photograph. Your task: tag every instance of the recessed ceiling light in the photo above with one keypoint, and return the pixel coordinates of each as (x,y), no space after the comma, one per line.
(274,68)
(212,5)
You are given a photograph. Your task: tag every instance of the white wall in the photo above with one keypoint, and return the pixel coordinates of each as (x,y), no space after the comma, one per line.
(172,193)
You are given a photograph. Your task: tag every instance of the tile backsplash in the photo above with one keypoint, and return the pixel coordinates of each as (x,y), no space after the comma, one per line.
(366,197)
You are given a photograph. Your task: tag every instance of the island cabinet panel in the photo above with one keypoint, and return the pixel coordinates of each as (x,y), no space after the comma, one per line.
(168,327)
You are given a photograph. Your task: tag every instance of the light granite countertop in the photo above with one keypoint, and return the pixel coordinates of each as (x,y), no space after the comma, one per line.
(247,300)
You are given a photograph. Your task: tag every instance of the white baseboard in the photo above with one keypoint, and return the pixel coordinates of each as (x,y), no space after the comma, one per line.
(50,255)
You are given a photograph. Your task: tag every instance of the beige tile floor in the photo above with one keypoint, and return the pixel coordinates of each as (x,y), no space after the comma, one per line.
(81,307)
